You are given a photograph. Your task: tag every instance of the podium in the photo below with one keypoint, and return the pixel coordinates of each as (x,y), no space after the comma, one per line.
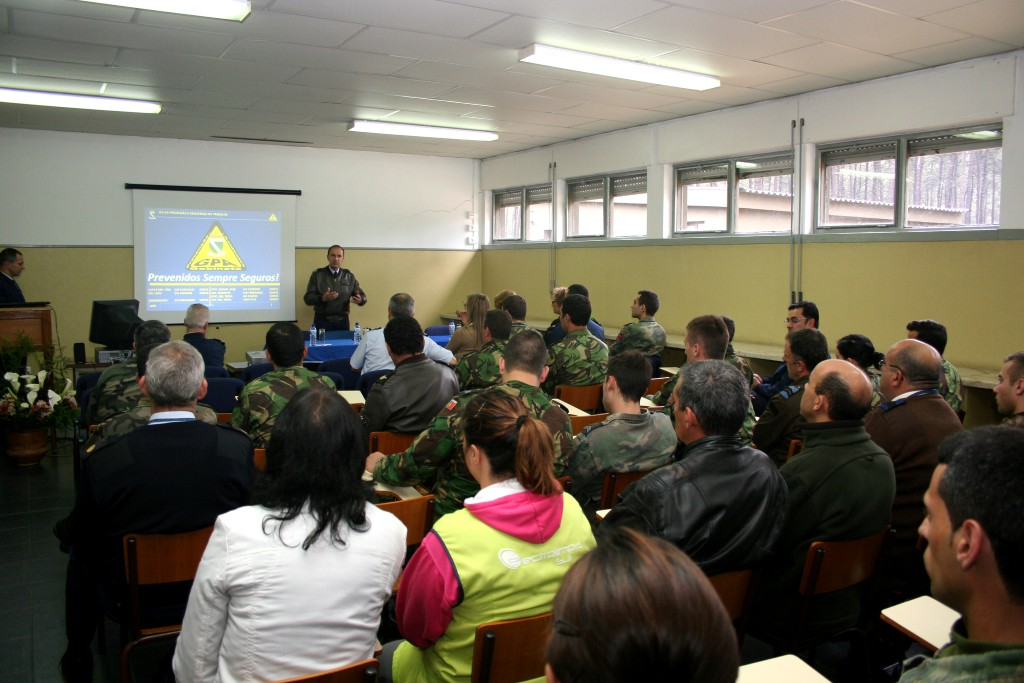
(34,321)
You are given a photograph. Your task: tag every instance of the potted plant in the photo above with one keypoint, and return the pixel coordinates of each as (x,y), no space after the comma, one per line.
(32,404)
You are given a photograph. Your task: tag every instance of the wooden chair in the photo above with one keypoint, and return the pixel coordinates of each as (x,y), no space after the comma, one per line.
(223,417)
(508,651)
(795,446)
(259,458)
(614,484)
(389,443)
(586,398)
(656,384)
(735,590)
(417,514)
(151,559)
(360,672)
(148,658)
(578,422)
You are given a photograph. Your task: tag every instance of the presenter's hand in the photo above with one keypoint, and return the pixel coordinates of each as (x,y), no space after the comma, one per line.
(358,299)
(373,459)
(329,295)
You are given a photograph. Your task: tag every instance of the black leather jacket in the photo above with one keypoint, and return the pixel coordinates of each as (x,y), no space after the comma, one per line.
(409,398)
(723,503)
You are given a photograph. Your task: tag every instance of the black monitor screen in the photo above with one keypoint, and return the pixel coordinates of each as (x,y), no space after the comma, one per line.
(113,323)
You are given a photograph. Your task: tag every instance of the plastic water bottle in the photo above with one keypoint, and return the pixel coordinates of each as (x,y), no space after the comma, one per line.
(357,333)
(312,335)
(451,328)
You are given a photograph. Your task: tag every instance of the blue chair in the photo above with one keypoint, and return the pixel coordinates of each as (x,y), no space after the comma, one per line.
(436,330)
(222,393)
(83,390)
(343,367)
(339,381)
(215,372)
(254,371)
(368,379)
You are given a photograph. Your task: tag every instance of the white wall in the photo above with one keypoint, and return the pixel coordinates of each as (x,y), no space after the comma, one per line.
(68,188)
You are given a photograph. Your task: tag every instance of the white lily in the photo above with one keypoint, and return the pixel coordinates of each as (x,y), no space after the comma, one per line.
(54,397)
(32,387)
(42,376)
(31,397)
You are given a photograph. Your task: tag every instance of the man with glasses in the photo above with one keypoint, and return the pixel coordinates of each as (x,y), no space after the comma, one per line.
(909,424)
(801,315)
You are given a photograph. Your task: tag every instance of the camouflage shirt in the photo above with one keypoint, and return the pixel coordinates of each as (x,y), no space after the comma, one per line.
(263,398)
(123,423)
(1014,420)
(479,369)
(741,364)
(952,387)
(517,328)
(661,398)
(578,360)
(437,452)
(622,443)
(116,391)
(646,336)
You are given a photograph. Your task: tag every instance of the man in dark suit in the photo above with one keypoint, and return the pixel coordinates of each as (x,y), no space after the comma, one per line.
(12,263)
(173,475)
(197,322)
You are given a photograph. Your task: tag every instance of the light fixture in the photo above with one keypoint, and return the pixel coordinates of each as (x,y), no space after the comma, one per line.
(60,99)
(421,131)
(616,68)
(236,10)
(980,135)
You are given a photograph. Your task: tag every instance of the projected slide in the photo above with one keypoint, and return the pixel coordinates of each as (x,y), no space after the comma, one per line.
(224,259)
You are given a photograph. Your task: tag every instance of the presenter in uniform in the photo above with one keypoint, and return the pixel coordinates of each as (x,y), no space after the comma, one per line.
(12,263)
(330,291)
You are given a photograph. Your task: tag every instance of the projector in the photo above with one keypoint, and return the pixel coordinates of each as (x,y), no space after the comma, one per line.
(113,355)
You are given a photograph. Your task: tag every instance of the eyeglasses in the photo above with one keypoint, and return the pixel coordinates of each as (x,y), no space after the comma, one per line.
(794,320)
(882,364)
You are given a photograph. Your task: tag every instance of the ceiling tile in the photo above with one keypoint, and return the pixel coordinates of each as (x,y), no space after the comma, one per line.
(506,99)
(917,8)
(593,13)
(339,80)
(314,57)
(103,74)
(204,66)
(263,25)
(510,114)
(434,48)
(61,51)
(480,78)
(730,70)
(428,16)
(1001,20)
(957,51)
(633,117)
(520,32)
(751,10)
(801,84)
(614,96)
(840,61)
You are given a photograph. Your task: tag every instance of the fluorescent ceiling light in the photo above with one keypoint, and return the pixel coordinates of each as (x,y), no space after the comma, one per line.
(421,131)
(236,10)
(746,164)
(616,68)
(980,135)
(59,99)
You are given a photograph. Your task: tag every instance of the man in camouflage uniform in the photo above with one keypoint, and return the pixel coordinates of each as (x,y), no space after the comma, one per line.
(515,306)
(479,369)
(436,454)
(778,425)
(117,389)
(123,423)
(707,338)
(631,439)
(263,398)
(1010,390)
(579,358)
(730,354)
(646,336)
(934,334)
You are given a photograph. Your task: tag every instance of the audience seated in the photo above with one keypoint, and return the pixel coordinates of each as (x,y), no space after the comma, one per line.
(1009,391)
(858,349)
(730,353)
(778,425)
(841,487)
(799,316)
(555,332)
(515,306)
(503,557)
(294,584)
(580,358)
(645,335)
(437,454)
(630,439)
(265,397)
(197,322)
(637,609)
(723,503)
(933,333)
(408,398)
(501,297)
(372,356)
(479,369)
(975,532)
(117,389)
(470,336)
(173,475)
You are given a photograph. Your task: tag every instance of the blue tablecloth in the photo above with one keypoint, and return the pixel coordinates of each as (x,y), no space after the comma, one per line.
(344,348)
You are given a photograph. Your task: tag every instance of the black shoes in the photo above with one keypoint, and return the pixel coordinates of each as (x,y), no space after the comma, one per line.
(76,669)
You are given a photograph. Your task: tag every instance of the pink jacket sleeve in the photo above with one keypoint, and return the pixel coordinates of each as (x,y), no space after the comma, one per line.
(430,589)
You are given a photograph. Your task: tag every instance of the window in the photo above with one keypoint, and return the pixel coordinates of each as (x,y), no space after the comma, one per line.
(524,211)
(615,206)
(939,180)
(745,195)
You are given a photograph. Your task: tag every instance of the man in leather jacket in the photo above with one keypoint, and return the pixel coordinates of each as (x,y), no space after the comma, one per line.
(722,503)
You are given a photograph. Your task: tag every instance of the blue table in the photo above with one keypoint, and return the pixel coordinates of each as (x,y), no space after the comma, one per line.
(344,348)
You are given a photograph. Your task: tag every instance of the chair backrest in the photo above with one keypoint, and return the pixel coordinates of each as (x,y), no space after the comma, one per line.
(655,364)
(795,446)
(259,459)
(438,330)
(160,558)
(614,484)
(390,443)
(336,377)
(735,590)
(222,393)
(251,372)
(587,397)
(834,565)
(655,385)
(223,417)
(508,651)
(360,672)
(368,379)
(214,371)
(578,422)
(417,514)
(342,366)
(83,390)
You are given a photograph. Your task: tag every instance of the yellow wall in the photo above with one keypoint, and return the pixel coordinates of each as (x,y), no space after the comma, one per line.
(72,277)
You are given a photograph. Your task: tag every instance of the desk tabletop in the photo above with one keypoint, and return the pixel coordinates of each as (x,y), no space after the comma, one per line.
(924,619)
(785,669)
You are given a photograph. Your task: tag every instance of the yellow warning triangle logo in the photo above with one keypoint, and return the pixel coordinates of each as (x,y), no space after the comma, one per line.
(273,218)
(216,252)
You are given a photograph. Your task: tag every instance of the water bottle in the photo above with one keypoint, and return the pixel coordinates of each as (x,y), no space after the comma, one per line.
(312,335)
(451,328)
(357,333)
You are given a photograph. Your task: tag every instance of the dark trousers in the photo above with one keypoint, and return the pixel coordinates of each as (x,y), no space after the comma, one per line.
(83,608)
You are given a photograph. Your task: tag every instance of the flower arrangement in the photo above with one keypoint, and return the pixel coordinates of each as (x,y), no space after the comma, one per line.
(31,401)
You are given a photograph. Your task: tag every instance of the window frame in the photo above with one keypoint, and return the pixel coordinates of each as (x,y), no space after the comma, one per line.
(608,194)
(526,194)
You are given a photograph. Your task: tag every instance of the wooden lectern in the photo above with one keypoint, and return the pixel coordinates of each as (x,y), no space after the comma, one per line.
(33,321)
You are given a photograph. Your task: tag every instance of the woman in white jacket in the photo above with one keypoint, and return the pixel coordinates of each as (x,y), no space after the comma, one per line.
(295,584)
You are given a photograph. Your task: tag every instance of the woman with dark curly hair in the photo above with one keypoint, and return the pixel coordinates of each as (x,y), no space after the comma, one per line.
(295,584)
(858,349)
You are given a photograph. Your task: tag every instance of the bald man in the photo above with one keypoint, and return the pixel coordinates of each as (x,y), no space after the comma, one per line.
(909,424)
(841,486)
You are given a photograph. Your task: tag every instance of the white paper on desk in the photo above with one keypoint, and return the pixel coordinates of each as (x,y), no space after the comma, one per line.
(403,492)
(569,408)
(352,395)
(648,403)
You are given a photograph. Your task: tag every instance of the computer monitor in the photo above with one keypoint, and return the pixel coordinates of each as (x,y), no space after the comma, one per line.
(113,323)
